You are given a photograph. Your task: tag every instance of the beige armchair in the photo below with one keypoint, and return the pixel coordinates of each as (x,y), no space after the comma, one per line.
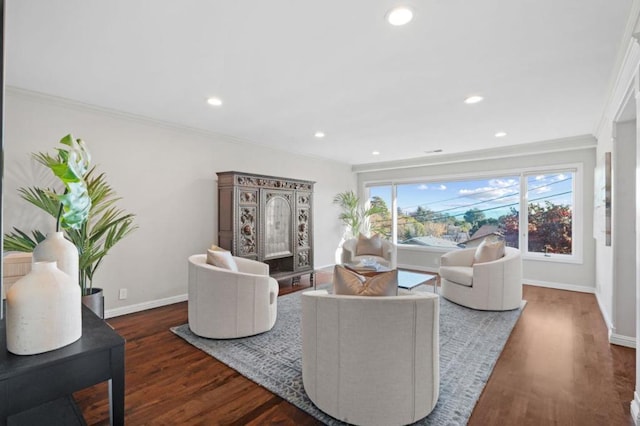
(350,254)
(224,304)
(371,360)
(490,286)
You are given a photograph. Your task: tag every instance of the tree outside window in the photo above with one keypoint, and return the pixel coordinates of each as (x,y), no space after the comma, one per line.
(455,214)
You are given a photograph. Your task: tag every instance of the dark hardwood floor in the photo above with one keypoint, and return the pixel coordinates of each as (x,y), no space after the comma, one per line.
(557,368)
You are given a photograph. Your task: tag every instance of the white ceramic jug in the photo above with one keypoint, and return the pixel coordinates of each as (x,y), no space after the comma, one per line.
(43,311)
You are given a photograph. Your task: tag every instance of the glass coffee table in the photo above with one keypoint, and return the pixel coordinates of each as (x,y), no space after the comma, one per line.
(366,270)
(406,279)
(410,280)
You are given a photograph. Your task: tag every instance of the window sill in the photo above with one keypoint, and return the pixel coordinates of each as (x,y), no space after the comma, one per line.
(537,258)
(424,249)
(553,258)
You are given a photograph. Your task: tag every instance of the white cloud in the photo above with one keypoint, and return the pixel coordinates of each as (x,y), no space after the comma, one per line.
(503,183)
(475,191)
(497,188)
(424,187)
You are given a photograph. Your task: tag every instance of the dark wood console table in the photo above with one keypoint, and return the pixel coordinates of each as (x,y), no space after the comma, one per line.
(28,381)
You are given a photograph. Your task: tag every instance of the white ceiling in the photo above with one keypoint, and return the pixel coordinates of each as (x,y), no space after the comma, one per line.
(287,68)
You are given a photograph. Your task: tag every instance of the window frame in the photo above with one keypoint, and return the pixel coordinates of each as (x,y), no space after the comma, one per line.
(577,219)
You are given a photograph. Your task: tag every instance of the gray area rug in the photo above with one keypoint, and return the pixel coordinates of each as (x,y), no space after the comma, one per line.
(470,343)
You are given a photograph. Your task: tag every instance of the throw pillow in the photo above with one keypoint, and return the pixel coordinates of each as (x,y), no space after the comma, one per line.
(369,246)
(488,251)
(216,248)
(346,282)
(221,259)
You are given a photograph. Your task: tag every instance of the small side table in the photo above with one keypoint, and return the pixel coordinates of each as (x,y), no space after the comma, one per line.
(28,381)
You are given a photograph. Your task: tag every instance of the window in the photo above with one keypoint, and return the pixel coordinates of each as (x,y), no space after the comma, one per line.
(452,213)
(550,213)
(382,223)
(449,214)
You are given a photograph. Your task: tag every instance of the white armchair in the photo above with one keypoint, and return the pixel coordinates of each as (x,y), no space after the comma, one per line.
(490,286)
(225,304)
(349,253)
(371,360)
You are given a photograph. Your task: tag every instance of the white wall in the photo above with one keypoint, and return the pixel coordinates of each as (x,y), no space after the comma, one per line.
(166,176)
(604,253)
(622,104)
(617,313)
(570,276)
(624,231)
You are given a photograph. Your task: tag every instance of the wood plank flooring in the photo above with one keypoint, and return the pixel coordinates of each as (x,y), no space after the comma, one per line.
(557,368)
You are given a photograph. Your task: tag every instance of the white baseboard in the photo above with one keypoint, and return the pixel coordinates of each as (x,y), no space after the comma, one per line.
(559,286)
(605,314)
(605,317)
(116,312)
(620,340)
(635,409)
(614,338)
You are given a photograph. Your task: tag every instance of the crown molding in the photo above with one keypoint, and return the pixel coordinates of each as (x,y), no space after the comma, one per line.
(543,147)
(82,106)
(624,69)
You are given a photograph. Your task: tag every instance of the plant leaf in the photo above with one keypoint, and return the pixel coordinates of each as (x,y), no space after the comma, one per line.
(105,224)
(70,166)
(20,241)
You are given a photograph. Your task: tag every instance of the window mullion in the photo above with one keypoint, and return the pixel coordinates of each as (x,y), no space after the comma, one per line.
(394,214)
(524,214)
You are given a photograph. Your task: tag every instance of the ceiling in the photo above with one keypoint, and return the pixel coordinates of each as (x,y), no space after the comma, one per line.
(285,69)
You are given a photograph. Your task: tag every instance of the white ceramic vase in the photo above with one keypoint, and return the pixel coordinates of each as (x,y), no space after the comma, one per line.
(43,311)
(57,248)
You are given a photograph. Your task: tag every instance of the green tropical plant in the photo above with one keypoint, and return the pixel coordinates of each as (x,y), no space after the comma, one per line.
(70,166)
(104,227)
(355,215)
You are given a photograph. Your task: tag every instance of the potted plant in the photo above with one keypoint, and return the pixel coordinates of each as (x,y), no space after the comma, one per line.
(355,215)
(105,224)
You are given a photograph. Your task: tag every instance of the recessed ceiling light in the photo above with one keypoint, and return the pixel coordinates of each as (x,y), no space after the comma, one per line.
(400,16)
(214,101)
(500,134)
(375,153)
(473,99)
(319,134)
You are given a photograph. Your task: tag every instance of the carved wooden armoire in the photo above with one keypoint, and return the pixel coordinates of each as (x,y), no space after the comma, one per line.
(268,219)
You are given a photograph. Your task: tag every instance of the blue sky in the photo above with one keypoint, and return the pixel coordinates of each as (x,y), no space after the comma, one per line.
(494,196)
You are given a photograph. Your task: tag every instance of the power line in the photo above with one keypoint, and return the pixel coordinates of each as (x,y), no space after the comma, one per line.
(490,200)
(483,192)
(480,192)
(492,208)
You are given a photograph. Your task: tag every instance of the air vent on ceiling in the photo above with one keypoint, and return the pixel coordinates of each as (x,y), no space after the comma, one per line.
(433,151)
